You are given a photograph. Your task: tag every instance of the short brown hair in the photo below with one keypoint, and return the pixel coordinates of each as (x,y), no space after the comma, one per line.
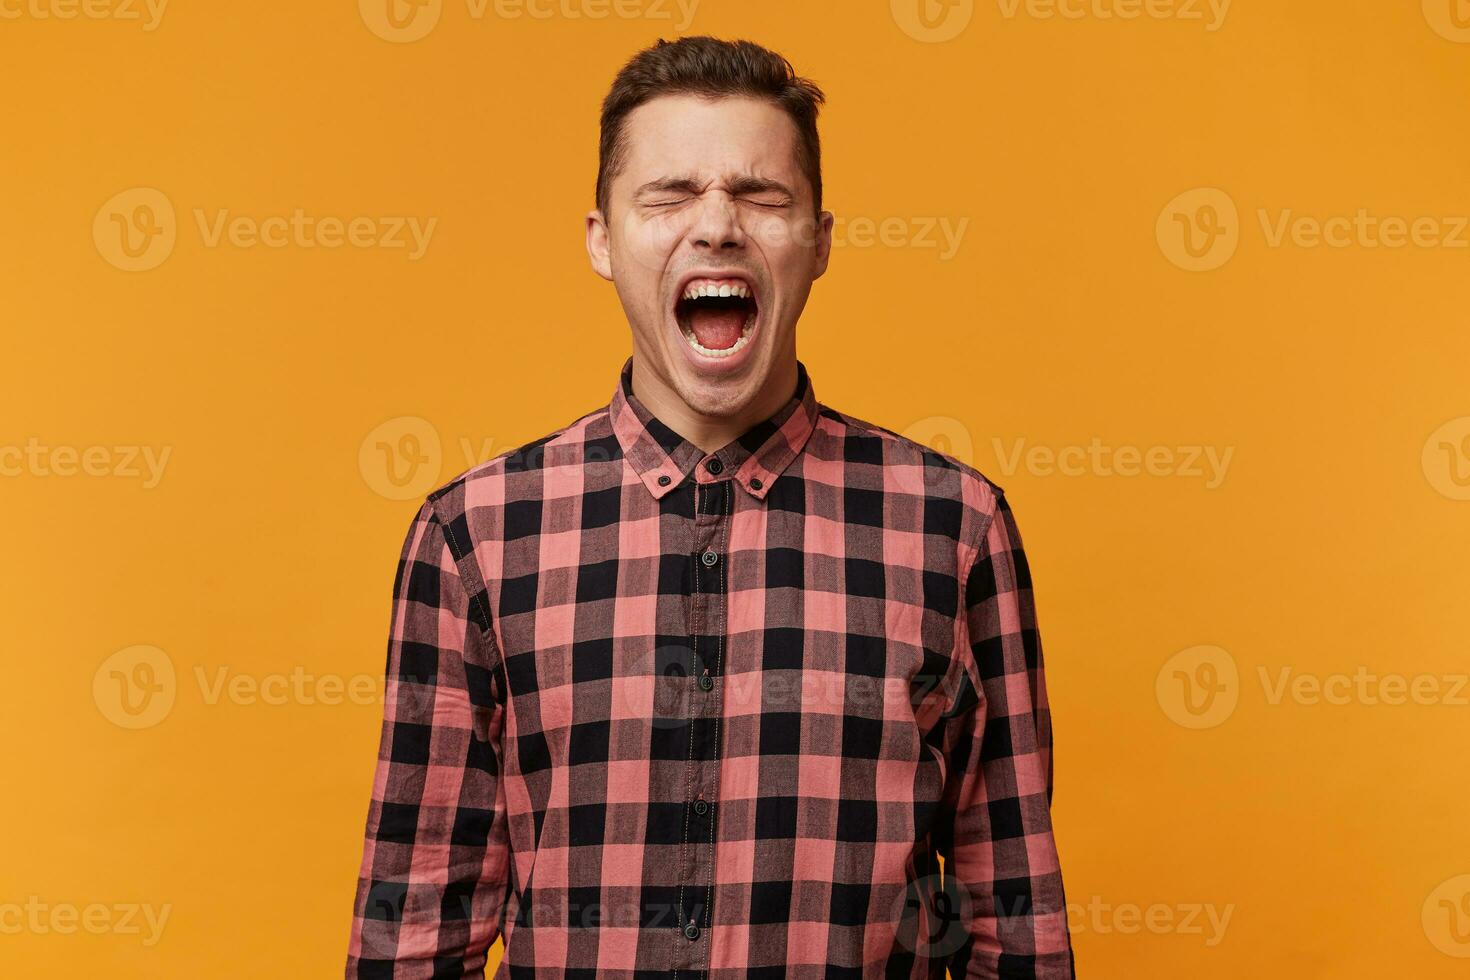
(712,68)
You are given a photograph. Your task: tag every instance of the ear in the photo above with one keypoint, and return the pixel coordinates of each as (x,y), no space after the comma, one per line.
(824,243)
(599,244)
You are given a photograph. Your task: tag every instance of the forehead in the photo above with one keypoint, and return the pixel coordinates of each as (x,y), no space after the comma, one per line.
(689,135)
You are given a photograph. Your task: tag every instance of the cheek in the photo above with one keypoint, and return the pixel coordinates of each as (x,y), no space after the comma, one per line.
(647,242)
(664,233)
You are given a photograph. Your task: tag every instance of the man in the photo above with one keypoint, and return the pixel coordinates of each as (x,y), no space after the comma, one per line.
(705,682)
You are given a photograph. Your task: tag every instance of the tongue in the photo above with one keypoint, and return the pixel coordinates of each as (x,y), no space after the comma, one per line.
(717,329)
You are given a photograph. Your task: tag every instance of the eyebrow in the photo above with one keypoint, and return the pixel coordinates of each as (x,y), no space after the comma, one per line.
(743,184)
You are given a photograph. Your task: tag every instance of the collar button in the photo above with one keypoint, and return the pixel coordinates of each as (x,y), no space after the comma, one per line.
(714,465)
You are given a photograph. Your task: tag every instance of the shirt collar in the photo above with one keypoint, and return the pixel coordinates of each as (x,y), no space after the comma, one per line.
(755,458)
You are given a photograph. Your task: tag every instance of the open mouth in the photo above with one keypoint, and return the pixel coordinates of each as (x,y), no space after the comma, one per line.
(717,316)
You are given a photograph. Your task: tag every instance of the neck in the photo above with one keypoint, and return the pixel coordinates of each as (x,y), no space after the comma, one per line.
(712,432)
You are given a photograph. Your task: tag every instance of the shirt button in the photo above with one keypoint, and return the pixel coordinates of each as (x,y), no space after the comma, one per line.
(709,558)
(663,481)
(701,807)
(714,465)
(755,483)
(706,682)
(691,931)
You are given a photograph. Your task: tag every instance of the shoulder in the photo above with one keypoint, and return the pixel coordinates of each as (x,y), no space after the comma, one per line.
(959,500)
(945,473)
(516,475)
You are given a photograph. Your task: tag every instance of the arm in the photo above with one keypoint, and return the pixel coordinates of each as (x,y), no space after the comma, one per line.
(996,833)
(432,885)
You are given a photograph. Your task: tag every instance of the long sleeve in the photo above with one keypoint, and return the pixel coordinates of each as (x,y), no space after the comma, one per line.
(996,830)
(432,886)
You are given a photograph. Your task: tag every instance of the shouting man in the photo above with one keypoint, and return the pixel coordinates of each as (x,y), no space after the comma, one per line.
(716,680)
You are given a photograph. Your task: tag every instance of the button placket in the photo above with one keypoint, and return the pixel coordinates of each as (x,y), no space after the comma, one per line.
(715,704)
(713,501)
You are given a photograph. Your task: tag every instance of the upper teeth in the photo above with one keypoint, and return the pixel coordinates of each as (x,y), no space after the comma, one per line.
(706,289)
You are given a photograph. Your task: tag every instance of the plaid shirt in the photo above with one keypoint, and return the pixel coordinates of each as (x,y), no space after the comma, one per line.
(652,711)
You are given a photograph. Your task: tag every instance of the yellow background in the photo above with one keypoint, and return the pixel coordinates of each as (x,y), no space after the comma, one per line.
(1335,543)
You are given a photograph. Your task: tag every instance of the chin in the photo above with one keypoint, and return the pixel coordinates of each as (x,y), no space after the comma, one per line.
(722,397)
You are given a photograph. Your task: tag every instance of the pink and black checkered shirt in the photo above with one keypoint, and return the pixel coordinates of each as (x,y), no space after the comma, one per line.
(657,712)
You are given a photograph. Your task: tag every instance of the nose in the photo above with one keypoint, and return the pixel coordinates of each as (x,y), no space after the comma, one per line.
(716,225)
